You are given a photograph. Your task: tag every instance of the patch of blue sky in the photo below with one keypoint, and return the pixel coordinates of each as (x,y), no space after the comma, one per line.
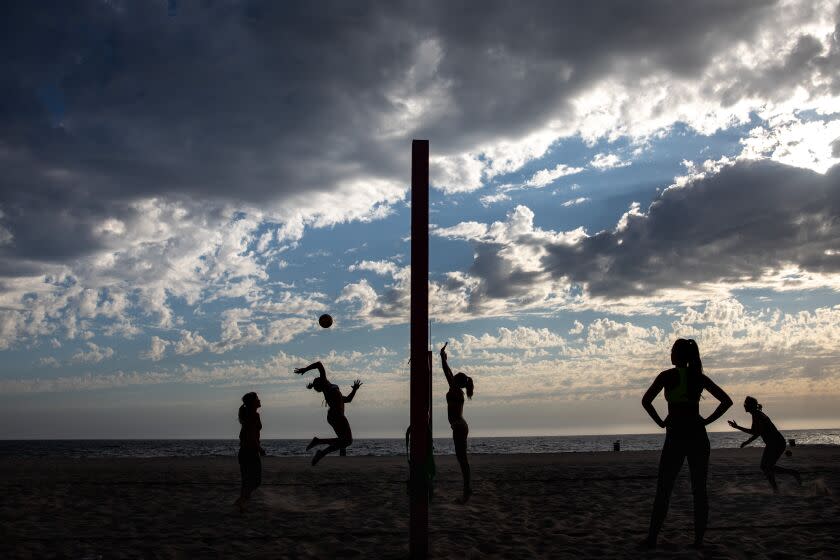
(608,192)
(788,301)
(812,115)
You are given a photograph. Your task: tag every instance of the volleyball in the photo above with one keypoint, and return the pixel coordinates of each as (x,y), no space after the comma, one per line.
(325,321)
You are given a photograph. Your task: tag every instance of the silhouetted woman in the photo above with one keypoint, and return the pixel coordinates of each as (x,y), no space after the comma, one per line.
(250,449)
(335,415)
(455,412)
(774,442)
(685,433)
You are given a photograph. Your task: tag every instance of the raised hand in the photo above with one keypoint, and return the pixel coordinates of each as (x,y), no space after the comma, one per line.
(732,423)
(443,350)
(300,370)
(357,384)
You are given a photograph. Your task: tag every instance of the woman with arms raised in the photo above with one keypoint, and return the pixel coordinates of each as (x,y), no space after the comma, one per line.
(335,415)
(455,411)
(685,433)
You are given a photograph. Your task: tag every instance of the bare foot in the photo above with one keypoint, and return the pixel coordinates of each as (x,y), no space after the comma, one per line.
(312,443)
(318,456)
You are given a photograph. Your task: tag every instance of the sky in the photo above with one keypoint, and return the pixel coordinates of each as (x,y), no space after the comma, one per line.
(187,186)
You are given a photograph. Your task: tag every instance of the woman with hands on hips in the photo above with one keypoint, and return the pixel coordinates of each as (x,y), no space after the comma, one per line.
(685,435)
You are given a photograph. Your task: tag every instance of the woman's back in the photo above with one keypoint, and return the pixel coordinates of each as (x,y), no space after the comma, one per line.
(766,428)
(682,391)
(335,400)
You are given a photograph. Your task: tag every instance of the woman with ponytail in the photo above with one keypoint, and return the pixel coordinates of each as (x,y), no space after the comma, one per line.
(774,442)
(455,412)
(685,433)
(250,449)
(335,415)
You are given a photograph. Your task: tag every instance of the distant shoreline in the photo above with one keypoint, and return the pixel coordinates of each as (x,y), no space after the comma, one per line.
(307,438)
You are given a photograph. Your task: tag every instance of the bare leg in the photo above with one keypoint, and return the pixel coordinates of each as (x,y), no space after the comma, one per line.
(771,477)
(321,453)
(344,439)
(768,463)
(670,463)
(698,464)
(459,437)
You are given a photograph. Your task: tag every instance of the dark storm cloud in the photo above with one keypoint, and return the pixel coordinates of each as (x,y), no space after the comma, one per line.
(250,103)
(735,226)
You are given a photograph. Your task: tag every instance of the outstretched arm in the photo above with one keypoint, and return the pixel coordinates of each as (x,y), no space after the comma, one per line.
(720,395)
(743,429)
(446,369)
(647,400)
(317,365)
(356,385)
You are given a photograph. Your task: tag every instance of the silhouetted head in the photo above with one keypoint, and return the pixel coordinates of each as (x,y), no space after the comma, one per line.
(250,404)
(464,381)
(685,353)
(751,404)
(319,384)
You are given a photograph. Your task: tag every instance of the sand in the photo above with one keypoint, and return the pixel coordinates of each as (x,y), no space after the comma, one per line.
(587,505)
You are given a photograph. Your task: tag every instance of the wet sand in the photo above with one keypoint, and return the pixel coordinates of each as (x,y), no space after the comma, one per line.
(587,505)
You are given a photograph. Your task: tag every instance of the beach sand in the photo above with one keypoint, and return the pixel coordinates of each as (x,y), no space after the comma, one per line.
(587,505)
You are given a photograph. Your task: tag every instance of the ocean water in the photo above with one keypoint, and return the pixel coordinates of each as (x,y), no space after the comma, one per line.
(378,447)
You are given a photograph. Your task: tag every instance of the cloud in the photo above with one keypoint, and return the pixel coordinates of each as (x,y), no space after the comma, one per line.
(796,143)
(545,177)
(607,161)
(323,138)
(735,224)
(157,349)
(491,199)
(93,355)
(191,343)
(743,224)
(176,199)
(738,224)
(575,201)
(519,338)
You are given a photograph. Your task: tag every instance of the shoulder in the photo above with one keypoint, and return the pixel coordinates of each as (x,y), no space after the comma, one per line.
(665,376)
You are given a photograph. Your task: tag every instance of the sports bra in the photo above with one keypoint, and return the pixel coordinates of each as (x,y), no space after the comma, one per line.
(678,394)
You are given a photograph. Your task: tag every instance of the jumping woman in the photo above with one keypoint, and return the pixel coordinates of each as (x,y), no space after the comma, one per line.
(250,449)
(455,411)
(685,434)
(335,415)
(774,442)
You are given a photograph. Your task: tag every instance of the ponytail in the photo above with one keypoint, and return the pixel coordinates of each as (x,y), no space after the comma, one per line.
(686,354)
(464,381)
(693,356)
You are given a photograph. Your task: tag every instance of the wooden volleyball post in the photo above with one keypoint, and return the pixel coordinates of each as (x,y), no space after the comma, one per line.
(421,381)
